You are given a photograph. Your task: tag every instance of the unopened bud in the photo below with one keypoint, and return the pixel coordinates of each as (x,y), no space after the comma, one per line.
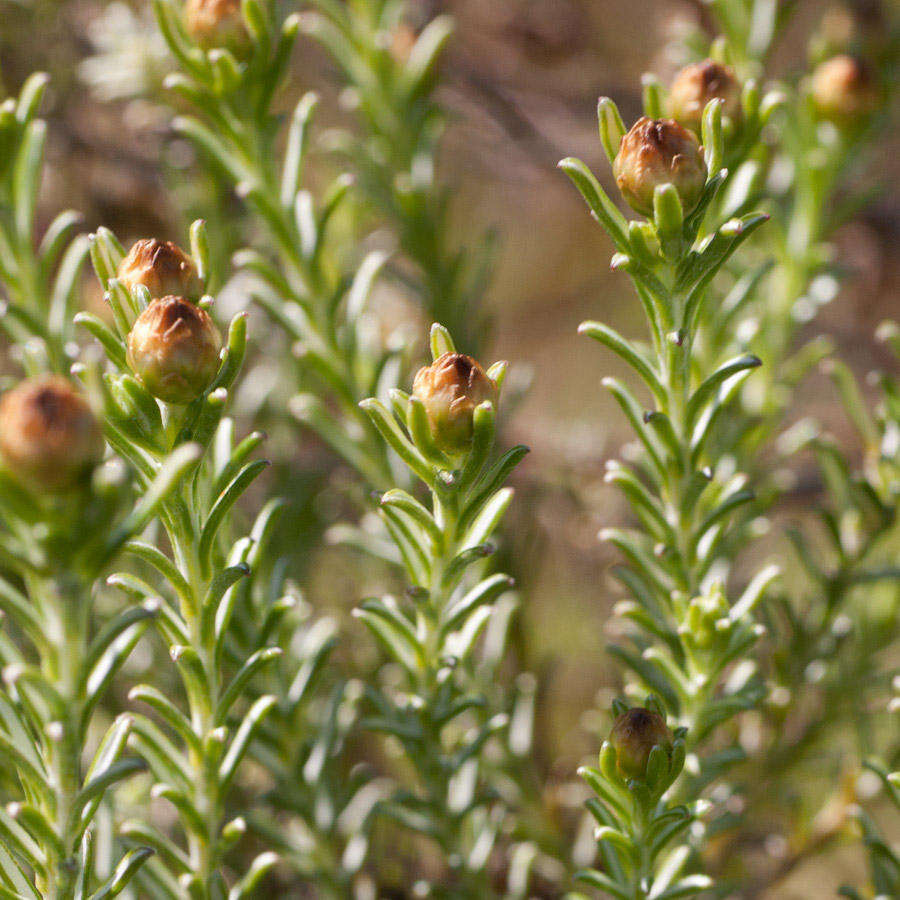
(403,39)
(162,267)
(844,90)
(217,23)
(696,85)
(49,437)
(634,734)
(450,389)
(173,348)
(657,152)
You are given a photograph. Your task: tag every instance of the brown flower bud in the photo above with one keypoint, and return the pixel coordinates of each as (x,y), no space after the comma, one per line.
(217,23)
(696,85)
(844,90)
(173,347)
(403,39)
(162,267)
(49,437)
(657,152)
(450,389)
(634,734)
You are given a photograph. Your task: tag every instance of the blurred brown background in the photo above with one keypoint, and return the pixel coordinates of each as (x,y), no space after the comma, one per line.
(521,80)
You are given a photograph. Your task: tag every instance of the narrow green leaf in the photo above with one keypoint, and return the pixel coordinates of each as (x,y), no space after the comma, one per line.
(482,594)
(125,871)
(418,72)
(441,341)
(167,711)
(398,441)
(628,353)
(223,504)
(257,871)
(602,207)
(242,738)
(612,128)
(396,635)
(710,385)
(241,680)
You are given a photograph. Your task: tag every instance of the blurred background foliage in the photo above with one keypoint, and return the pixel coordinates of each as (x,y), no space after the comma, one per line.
(519,84)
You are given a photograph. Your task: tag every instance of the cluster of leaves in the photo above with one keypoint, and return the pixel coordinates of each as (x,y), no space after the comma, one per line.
(40,282)
(841,630)
(195,759)
(390,68)
(846,629)
(884,860)
(634,827)
(441,722)
(307,290)
(837,626)
(60,655)
(60,668)
(307,293)
(849,614)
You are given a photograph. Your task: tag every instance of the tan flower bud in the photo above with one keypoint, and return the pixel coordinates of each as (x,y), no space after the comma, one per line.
(173,348)
(162,267)
(656,152)
(844,90)
(403,39)
(634,734)
(217,23)
(49,437)
(696,85)
(450,389)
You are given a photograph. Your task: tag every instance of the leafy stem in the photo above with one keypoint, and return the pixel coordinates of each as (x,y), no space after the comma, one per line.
(441,720)
(688,632)
(194,756)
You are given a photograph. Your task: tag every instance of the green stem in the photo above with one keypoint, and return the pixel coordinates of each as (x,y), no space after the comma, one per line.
(66,603)
(431,762)
(202,847)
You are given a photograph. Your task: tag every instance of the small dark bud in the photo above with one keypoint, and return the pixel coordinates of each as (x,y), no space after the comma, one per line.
(657,152)
(173,348)
(634,734)
(49,437)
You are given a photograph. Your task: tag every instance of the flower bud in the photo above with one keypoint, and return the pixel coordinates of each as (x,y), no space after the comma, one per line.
(403,40)
(844,90)
(217,23)
(696,85)
(657,152)
(49,437)
(162,267)
(634,734)
(450,389)
(173,348)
